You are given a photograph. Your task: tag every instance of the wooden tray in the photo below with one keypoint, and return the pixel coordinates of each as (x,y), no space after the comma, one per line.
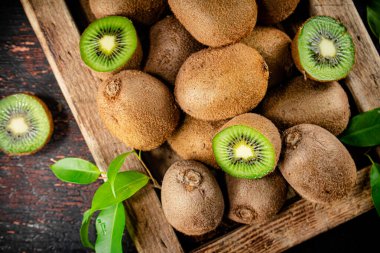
(298,221)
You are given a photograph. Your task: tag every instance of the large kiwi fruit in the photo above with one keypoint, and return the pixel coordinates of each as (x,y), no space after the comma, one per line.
(316,164)
(191,198)
(255,200)
(220,83)
(275,11)
(26,124)
(216,23)
(138,109)
(170,46)
(247,146)
(274,45)
(143,11)
(323,49)
(193,140)
(307,101)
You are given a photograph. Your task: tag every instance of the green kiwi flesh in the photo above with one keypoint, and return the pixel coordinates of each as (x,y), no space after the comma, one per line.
(25,124)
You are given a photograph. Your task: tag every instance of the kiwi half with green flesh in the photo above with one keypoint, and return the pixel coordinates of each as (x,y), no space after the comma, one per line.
(323,49)
(170,46)
(316,164)
(216,23)
(26,124)
(247,146)
(307,101)
(255,200)
(275,11)
(274,46)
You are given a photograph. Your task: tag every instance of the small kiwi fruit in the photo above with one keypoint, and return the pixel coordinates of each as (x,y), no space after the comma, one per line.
(220,83)
(142,11)
(323,50)
(191,198)
(274,45)
(216,23)
(193,140)
(316,164)
(275,11)
(255,200)
(170,46)
(307,101)
(138,109)
(247,146)
(26,124)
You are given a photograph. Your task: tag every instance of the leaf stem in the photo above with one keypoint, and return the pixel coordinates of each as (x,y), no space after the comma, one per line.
(155,183)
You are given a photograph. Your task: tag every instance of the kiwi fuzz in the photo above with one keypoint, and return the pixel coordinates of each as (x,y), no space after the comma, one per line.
(275,11)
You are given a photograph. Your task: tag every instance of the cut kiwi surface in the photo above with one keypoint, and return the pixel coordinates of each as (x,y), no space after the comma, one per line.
(323,49)
(25,124)
(243,152)
(108,43)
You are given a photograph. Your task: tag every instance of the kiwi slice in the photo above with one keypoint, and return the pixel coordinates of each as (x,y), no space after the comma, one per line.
(25,124)
(323,49)
(108,43)
(244,152)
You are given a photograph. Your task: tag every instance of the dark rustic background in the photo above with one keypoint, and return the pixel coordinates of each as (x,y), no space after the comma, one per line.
(39,213)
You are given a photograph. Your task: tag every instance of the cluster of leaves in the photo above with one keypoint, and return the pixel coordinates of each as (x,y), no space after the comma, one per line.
(108,198)
(373,17)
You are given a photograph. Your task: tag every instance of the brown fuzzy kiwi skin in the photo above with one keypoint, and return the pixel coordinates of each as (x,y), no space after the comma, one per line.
(274,45)
(275,11)
(143,11)
(255,200)
(191,198)
(307,101)
(170,46)
(193,140)
(138,109)
(220,83)
(316,164)
(216,23)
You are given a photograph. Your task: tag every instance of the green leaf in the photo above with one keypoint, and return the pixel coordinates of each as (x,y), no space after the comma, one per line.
(75,170)
(375,185)
(84,229)
(114,168)
(363,130)
(110,226)
(373,17)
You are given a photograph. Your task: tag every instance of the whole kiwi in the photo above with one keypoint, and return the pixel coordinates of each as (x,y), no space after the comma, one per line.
(191,198)
(274,45)
(143,11)
(138,109)
(216,23)
(193,140)
(255,200)
(170,45)
(275,11)
(307,101)
(316,164)
(219,83)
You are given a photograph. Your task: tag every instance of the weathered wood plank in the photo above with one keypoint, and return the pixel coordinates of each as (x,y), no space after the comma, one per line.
(59,39)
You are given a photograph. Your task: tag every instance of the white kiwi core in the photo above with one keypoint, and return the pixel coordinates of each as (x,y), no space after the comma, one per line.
(327,48)
(243,151)
(108,43)
(18,125)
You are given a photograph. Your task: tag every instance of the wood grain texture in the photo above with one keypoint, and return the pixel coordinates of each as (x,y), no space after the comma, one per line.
(59,39)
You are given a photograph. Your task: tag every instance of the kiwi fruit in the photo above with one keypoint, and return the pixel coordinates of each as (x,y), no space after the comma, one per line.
(26,124)
(255,200)
(191,198)
(170,46)
(142,11)
(247,146)
(110,44)
(274,46)
(307,101)
(275,11)
(323,49)
(216,23)
(193,140)
(220,83)
(138,109)
(316,164)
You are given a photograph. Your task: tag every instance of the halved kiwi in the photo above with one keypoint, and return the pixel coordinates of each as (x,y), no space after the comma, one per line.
(108,43)
(323,49)
(26,124)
